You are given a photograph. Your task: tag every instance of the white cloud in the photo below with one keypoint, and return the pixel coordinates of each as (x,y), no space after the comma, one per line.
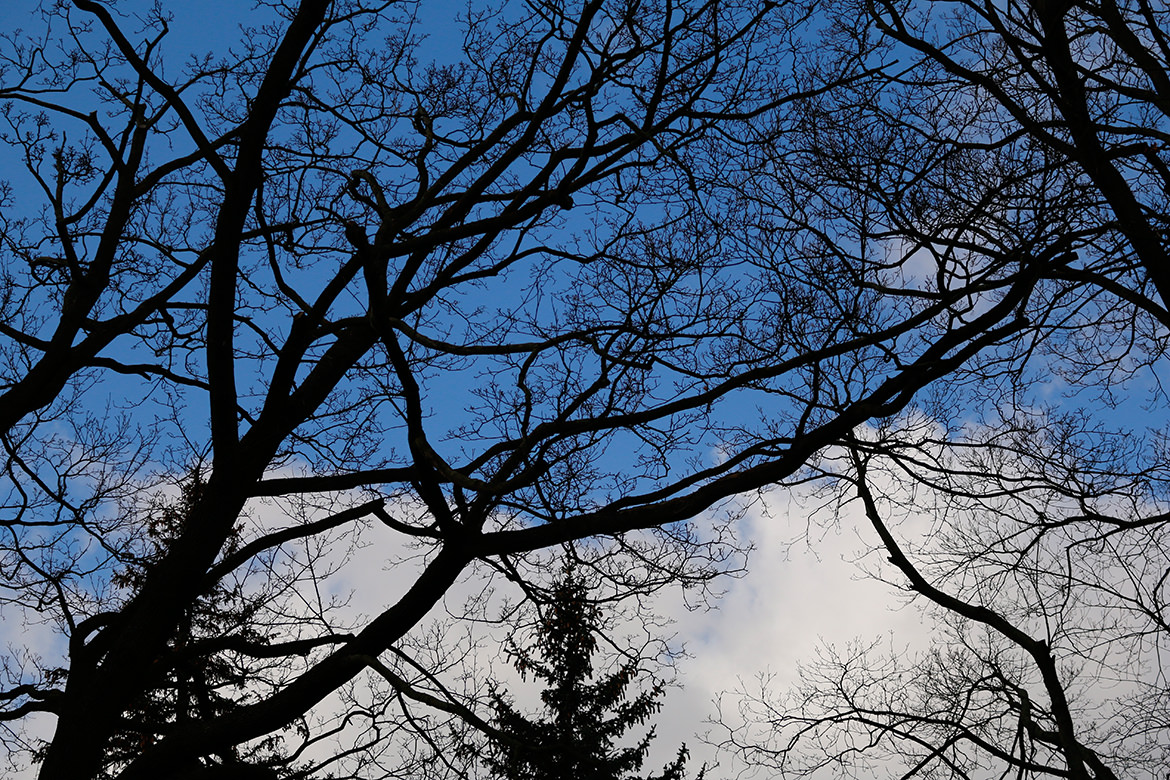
(796,596)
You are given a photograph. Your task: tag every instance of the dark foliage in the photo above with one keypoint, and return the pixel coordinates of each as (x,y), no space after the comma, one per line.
(585,714)
(594,275)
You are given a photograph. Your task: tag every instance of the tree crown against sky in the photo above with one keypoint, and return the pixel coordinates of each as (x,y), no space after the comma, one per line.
(600,268)
(586,713)
(1024,501)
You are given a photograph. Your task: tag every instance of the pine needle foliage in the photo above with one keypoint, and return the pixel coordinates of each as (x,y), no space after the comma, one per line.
(585,714)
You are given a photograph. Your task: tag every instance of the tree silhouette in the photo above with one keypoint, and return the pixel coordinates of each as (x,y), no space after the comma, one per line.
(1024,503)
(584,714)
(566,270)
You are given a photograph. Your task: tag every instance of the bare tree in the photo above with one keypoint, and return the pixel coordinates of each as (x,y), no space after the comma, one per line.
(1049,629)
(492,302)
(604,268)
(1037,132)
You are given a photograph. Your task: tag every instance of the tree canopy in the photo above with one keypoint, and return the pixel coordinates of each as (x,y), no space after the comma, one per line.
(572,273)
(585,714)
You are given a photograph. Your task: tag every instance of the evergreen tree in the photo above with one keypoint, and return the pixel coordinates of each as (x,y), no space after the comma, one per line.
(583,717)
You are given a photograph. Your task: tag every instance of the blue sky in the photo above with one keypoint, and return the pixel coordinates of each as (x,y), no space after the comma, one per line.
(791,598)
(769,618)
